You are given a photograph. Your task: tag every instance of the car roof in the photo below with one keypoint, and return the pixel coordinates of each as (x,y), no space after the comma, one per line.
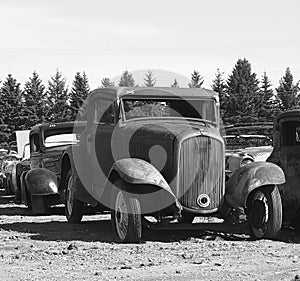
(116,92)
(49,126)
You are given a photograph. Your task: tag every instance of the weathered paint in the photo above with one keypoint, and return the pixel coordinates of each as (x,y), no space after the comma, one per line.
(41,181)
(286,154)
(250,177)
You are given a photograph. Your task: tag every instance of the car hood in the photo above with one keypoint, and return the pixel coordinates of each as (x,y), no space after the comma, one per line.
(260,153)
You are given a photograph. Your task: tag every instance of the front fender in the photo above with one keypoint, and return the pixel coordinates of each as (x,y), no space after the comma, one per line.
(250,177)
(144,179)
(41,181)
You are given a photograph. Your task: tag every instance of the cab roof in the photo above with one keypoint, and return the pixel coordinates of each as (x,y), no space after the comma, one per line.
(116,92)
(295,113)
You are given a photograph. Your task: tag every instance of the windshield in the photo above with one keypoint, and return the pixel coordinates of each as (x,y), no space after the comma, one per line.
(235,142)
(186,108)
(61,139)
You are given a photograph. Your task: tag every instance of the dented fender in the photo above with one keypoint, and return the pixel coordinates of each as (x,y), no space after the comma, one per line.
(146,181)
(249,178)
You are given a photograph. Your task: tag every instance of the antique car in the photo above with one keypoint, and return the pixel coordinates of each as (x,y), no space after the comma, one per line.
(155,156)
(22,165)
(258,146)
(286,154)
(47,143)
(8,164)
(246,143)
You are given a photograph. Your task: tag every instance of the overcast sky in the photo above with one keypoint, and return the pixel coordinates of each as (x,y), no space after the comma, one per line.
(106,37)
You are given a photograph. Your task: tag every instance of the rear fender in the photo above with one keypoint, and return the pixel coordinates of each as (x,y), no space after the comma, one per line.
(144,181)
(250,177)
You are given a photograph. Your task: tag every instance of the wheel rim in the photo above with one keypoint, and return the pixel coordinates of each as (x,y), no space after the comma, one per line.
(121,215)
(70,195)
(259,214)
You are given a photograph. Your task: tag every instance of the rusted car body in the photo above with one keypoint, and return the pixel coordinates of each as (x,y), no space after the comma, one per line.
(246,143)
(47,144)
(286,154)
(158,152)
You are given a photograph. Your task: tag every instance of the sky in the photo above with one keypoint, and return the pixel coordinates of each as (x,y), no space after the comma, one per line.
(104,38)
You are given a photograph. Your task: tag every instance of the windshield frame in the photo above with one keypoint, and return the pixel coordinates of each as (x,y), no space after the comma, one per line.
(123,119)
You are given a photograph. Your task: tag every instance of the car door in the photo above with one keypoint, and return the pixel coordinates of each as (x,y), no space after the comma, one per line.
(101,156)
(289,161)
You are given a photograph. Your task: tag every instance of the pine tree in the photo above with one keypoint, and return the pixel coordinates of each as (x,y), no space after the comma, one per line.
(78,94)
(106,83)
(11,107)
(35,100)
(126,80)
(219,86)
(149,79)
(175,84)
(196,80)
(57,93)
(288,92)
(266,107)
(243,93)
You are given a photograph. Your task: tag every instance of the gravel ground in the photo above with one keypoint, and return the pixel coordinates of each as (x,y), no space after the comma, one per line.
(49,248)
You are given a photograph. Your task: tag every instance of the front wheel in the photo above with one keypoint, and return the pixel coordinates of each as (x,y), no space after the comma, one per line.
(125,215)
(74,208)
(265,212)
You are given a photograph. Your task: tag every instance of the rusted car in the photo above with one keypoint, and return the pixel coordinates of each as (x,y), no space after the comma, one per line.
(47,145)
(286,154)
(246,143)
(9,162)
(156,156)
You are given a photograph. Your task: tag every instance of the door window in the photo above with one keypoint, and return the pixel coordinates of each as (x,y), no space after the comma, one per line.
(290,133)
(104,112)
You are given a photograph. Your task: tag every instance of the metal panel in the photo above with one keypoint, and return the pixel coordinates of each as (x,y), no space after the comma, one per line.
(201,172)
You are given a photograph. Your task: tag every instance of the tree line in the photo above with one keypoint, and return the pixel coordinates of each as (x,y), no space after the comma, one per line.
(243,97)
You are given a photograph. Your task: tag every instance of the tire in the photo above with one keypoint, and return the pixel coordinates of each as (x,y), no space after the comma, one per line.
(74,208)
(125,216)
(265,212)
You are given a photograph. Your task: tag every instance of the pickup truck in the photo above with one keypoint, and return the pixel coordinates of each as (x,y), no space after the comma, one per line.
(155,156)
(47,143)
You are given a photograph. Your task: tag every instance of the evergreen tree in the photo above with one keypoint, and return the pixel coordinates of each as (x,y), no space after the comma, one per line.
(35,100)
(11,108)
(243,93)
(175,84)
(288,92)
(149,79)
(57,93)
(196,80)
(78,95)
(126,80)
(219,86)
(266,107)
(106,83)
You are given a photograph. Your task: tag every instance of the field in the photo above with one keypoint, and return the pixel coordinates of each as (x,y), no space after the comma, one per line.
(49,248)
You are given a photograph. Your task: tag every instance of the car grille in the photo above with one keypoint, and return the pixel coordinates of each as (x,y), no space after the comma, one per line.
(201,172)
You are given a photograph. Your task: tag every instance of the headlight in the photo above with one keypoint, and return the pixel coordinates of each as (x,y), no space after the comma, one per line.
(246,161)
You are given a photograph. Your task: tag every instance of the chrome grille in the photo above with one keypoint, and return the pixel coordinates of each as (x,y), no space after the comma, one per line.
(201,171)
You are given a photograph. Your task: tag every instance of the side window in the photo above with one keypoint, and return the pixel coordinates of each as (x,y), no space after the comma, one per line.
(34,143)
(290,133)
(104,112)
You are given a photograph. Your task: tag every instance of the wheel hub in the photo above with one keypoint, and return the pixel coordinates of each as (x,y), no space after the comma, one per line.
(258,214)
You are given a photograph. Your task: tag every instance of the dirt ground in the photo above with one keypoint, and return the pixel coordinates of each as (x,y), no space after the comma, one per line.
(49,248)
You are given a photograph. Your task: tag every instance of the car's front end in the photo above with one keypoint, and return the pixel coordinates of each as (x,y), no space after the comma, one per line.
(184,147)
